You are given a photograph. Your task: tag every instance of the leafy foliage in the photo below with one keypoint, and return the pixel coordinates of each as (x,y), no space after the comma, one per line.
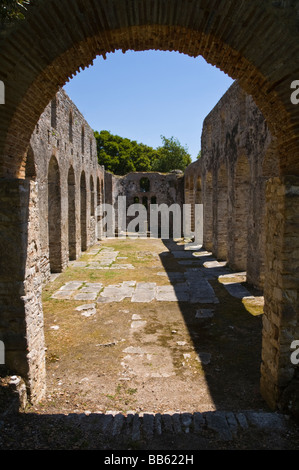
(11,10)
(171,156)
(121,155)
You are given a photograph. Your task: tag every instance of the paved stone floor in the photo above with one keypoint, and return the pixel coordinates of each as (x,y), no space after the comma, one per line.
(151,326)
(151,345)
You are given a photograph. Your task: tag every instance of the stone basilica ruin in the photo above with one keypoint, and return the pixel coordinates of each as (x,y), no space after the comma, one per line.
(247,178)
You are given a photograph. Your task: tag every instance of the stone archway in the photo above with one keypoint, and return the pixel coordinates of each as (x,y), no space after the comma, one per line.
(256,44)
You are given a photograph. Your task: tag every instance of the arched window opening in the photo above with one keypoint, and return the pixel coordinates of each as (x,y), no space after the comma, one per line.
(30,171)
(92,204)
(144,185)
(82,139)
(71,127)
(54,113)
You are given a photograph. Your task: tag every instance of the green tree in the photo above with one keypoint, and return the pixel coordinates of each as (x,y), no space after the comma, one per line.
(11,10)
(121,155)
(171,156)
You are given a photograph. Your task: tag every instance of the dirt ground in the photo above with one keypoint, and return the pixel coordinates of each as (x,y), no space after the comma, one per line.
(149,357)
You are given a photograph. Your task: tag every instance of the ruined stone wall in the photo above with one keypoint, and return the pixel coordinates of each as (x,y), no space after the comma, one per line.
(238,156)
(145,188)
(63,160)
(50,216)
(249,220)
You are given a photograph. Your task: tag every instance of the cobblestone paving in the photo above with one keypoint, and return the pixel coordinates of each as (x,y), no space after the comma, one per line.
(191,286)
(172,432)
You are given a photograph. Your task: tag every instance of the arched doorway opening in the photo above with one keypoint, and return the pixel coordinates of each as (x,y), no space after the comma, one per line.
(261,55)
(72,233)
(83,212)
(54,216)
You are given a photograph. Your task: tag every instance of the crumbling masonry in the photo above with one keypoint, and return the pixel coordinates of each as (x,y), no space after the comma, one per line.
(258,45)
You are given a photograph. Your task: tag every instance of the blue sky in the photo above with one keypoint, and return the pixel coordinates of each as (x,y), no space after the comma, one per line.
(143,95)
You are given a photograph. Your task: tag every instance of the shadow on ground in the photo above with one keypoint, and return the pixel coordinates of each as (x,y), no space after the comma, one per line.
(227,340)
(228,343)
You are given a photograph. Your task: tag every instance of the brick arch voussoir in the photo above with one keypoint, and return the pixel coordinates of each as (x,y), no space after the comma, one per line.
(82,40)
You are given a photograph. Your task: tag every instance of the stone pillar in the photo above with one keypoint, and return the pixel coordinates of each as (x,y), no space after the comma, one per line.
(220,235)
(21,314)
(208,208)
(280,319)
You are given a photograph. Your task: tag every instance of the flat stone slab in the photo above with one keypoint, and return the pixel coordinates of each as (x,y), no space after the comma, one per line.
(115,293)
(218,423)
(266,420)
(78,264)
(193,289)
(53,277)
(129,283)
(204,358)
(92,287)
(122,266)
(144,292)
(199,254)
(88,292)
(109,266)
(204,313)
(166,294)
(194,274)
(215,264)
(72,285)
(86,296)
(62,295)
(192,247)
(183,254)
(237,290)
(87,310)
(202,292)
(227,278)
(179,292)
